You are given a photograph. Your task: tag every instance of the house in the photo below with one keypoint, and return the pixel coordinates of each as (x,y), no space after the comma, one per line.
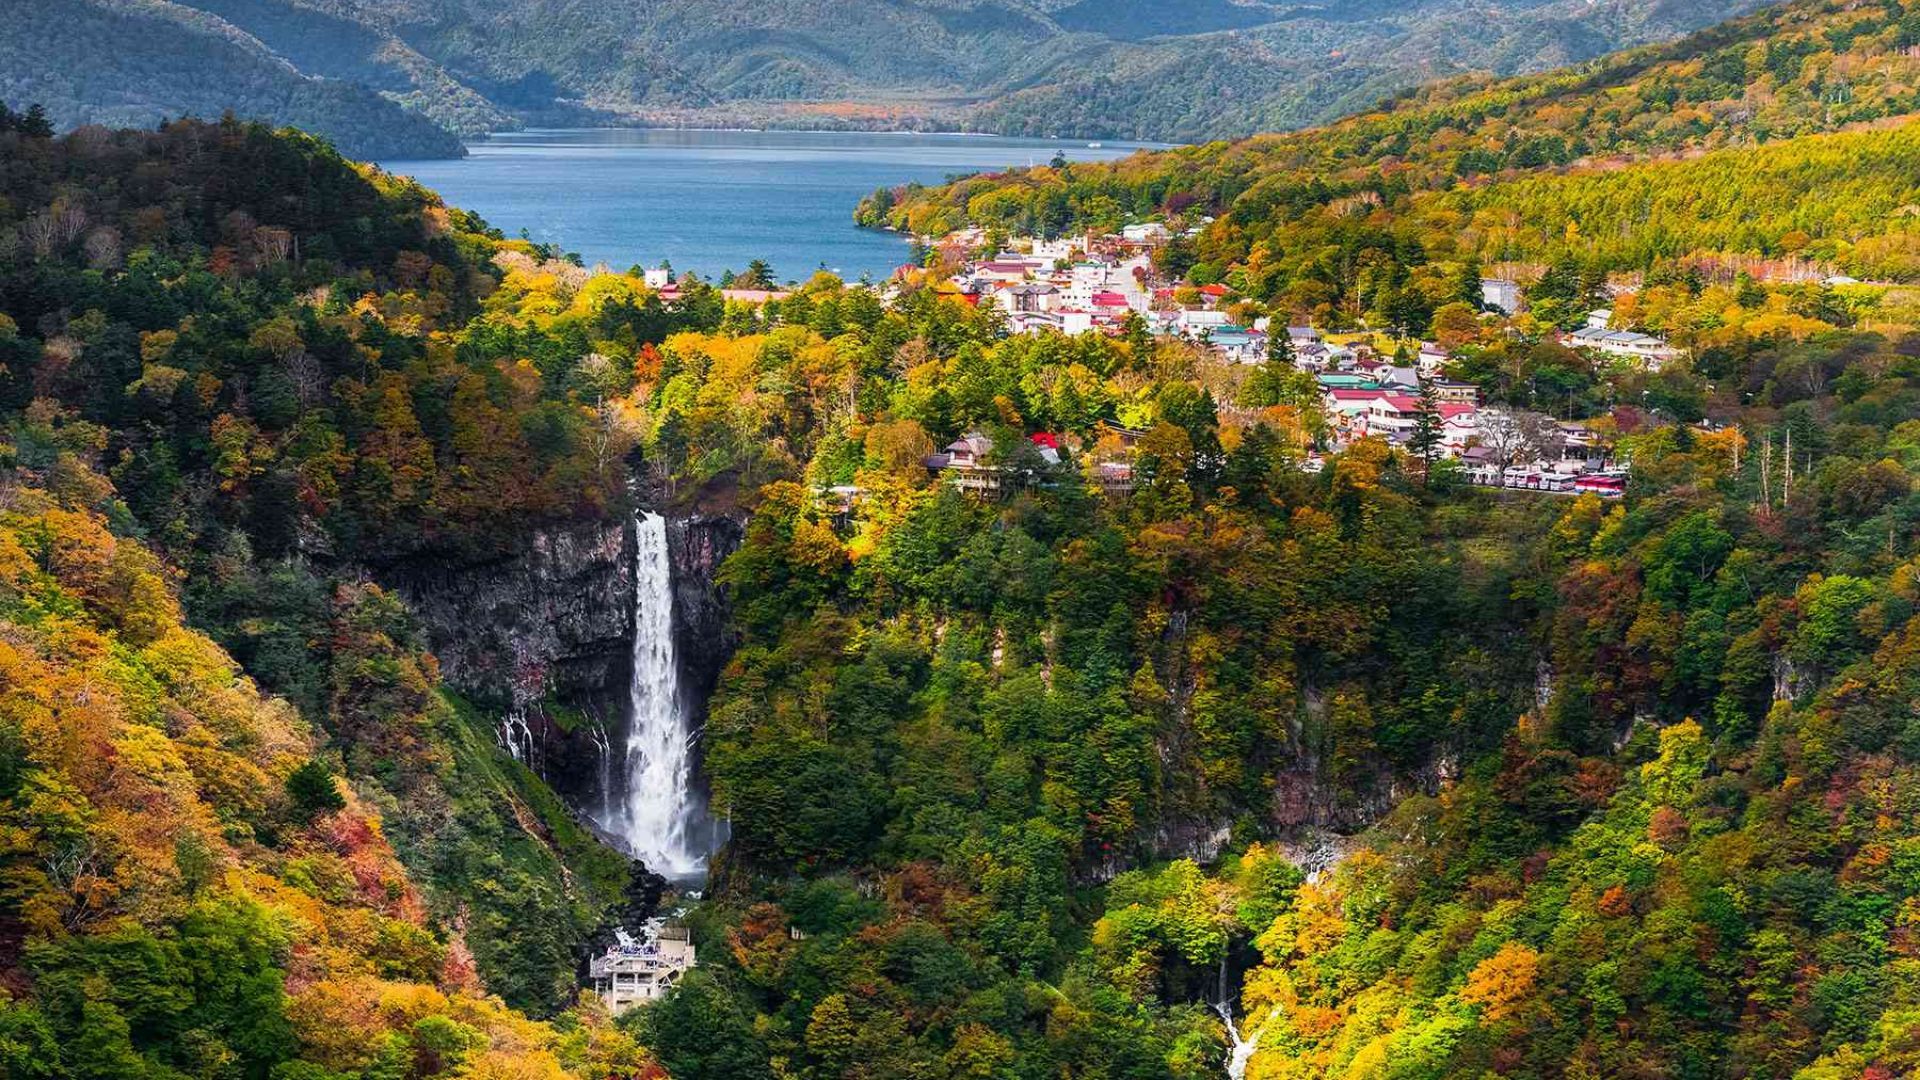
(1004,271)
(1037,322)
(1453,391)
(644,969)
(1650,350)
(1501,294)
(1302,335)
(1431,359)
(967,451)
(1238,345)
(1151,232)
(658,278)
(1193,321)
(1386,373)
(1347,409)
(1374,368)
(1459,424)
(1312,357)
(1028,297)
(1053,251)
(1578,442)
(1391,416)
(1481,464)
(1333,357)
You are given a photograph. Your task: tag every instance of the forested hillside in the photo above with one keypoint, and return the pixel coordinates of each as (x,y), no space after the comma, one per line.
(134,65)
(190,890)
(230,386)
(1593,164)
(1021,785)
(1413,779)
(1044,67)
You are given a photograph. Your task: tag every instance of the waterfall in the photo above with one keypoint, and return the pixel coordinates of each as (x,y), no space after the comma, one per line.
(1240,1049)
(517,736)
(661,816)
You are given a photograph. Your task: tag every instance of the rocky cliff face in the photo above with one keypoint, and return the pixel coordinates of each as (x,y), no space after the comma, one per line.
(699,543)
(544,636)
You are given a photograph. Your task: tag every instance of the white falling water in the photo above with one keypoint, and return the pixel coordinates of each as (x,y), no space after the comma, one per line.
(658,820)
(1240,1050)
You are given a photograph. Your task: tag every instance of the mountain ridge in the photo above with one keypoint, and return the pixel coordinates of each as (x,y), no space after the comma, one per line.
(339,67)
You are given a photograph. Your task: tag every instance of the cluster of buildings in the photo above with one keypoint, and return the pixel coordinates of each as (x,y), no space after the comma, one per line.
(1368,397)
(1069,286)
(1364,395)
(1093,283)
(638,970)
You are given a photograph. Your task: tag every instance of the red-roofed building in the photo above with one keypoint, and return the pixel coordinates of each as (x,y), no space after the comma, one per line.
(1002,271)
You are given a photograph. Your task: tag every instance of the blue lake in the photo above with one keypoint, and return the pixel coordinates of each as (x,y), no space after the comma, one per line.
(715,200)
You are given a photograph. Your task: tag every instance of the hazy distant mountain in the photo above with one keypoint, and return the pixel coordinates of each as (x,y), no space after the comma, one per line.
(133,63)
(1091,68)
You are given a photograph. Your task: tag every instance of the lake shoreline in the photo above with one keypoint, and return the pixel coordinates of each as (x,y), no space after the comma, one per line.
(711,200)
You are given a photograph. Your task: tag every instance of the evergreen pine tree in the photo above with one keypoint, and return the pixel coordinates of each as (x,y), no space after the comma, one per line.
(1467,288)
(1279,345)
(35,123)
(1424,442)
(1139,340)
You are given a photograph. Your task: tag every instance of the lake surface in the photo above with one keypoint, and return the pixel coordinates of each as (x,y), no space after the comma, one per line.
(715,200)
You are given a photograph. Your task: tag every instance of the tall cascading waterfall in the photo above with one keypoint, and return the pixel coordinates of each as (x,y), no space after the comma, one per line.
(660,813)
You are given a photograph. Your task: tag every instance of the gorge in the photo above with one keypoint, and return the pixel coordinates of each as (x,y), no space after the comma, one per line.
(389,608)
(590,641)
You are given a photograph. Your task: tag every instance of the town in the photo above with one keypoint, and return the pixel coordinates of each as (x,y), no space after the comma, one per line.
(1364,385)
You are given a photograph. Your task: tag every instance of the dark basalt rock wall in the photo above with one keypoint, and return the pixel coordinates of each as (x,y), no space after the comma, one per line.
(702,621)
(543,635)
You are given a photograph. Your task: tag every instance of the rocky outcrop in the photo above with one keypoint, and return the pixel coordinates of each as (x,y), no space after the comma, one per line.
(698,544)
(553,618)
(543,635)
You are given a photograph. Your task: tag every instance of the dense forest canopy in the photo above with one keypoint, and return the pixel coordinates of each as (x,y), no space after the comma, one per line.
(229,378)
(1413,779)
(135,65)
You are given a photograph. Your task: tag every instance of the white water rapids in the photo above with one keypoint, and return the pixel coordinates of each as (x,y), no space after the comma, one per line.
(661,810)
